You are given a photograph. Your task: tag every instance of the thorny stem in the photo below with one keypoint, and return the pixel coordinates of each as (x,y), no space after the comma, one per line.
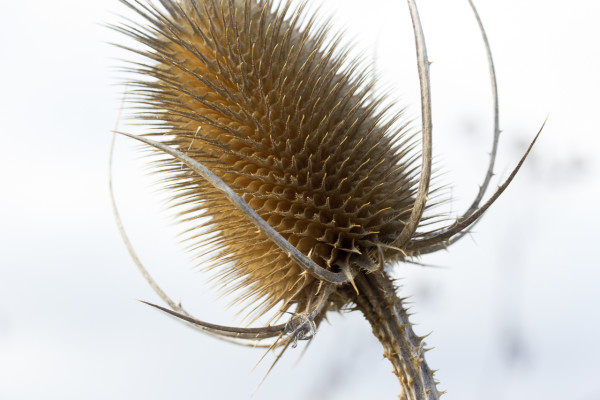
(385,312)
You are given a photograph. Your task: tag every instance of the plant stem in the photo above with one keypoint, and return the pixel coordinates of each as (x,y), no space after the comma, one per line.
(385,312)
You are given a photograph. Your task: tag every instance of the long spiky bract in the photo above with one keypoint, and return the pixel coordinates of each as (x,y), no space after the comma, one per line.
(300,184)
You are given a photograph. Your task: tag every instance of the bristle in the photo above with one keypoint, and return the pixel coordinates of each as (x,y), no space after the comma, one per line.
(273,107)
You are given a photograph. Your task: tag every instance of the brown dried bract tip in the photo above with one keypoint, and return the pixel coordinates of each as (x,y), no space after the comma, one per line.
(302,185)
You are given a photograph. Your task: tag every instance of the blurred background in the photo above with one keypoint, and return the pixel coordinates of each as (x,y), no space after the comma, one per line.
(512,310)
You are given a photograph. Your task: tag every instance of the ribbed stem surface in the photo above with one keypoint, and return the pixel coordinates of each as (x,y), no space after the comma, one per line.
(385,312)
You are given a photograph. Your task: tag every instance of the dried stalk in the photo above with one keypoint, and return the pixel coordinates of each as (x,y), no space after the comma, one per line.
(381,306)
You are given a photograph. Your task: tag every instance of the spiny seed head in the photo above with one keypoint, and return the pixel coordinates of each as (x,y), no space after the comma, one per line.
(270,104)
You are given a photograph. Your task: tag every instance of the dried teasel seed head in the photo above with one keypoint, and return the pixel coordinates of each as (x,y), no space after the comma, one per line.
(270,103)
(300,183)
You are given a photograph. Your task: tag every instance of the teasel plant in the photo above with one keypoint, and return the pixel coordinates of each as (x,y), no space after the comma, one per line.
(302,186)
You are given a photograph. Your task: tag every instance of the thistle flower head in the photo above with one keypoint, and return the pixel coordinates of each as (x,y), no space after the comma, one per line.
(300,183)
(272,106)
(297,177)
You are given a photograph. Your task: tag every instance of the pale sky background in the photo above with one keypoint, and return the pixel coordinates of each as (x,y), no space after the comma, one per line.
(513,312)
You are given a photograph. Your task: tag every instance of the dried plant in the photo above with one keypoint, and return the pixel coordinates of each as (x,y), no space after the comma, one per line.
(302,186)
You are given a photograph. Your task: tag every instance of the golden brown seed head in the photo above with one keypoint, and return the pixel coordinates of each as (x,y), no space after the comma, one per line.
(269,103)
